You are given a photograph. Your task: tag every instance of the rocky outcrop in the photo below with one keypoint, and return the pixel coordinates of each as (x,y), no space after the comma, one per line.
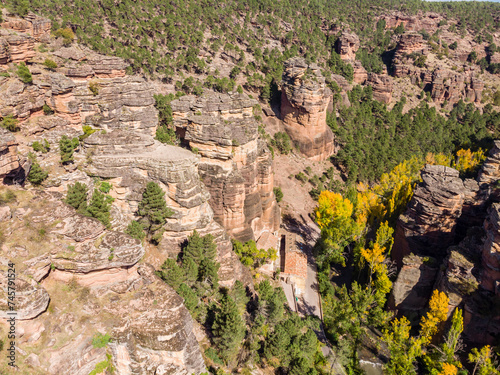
(347,45)
(34,25)
(414,284)
(411,42)
(9,160)
(422,21)
(235,164)
(428,225)
(382,87)
(490,170)
(16,47)
(490,277)
(360,75)
(77,262)
(130,160)
(304,102)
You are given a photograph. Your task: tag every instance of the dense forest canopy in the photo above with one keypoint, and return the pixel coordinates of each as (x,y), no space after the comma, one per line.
(160,37)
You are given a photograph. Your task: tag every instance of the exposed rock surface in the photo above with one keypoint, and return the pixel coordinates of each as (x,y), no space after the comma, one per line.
(490,171)
(9,160)
(413,287)
(235,164)
(422,21)
(428,226)
(304,102)
(347,45)
(34,25)
(382,87)
(108,292)
(15,47)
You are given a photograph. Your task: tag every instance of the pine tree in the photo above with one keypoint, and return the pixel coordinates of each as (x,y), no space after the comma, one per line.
(37,175)
(228,329)
(99,208)
(135,230)
(153,208)
(66,148)
(77,197)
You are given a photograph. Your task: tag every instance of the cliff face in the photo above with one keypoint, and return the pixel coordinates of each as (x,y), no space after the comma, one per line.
(151,328)
(9,160)
(451,228)
(235,164)
(347,45)
(444,84)
(304,102)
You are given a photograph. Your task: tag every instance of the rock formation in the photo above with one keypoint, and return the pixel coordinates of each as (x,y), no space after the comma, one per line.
(422,21)
(304,102)
(108,292)
(382,87)
(9,160)
(347,45)
(443,229)
(444,85)
(16,47)
(34,25)
(235,165)
(428,226)
(360,75)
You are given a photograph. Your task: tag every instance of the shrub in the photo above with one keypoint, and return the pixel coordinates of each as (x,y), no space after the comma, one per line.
(100,341)
(301,177)
(77,197)
(282,142)
(24,73)
(66,148)
(164,134)
(10,123)
(47,110)
(42,146)
(135,230)
(105,187)
(50,64)
(453,45)
(4,74)
(66,33)
(99,207)
(94,88)
(37,175)
(420,61)
(278,194)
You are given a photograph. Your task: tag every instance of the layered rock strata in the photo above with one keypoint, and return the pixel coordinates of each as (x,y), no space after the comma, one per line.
(235,164)
(428,225)
(78,262)
(347,45)
(304,102)
(9,160)
(382,87)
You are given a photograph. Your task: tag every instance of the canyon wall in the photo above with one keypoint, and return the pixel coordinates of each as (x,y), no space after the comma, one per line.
(235,165)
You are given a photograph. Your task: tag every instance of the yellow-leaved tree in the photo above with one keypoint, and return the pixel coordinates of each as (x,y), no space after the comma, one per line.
(468,161)
(334,216)
(438,311)
(449,369)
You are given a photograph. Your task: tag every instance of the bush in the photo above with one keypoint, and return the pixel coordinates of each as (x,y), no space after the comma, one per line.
(135,230)
(37,175)
(282,142)
(94,88)
(67,34)
(278,194)
(47,110)
(10,123)
(453,45)
(42,146)
(99,207)
(66,148)
(24,73)
(77,197)
(166,135)
(50,64)
(100,341)
(420,61)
